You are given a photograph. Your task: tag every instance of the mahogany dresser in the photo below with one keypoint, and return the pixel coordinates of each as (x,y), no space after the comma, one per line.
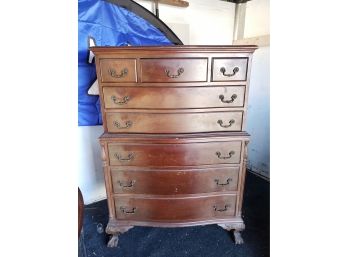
(175,148)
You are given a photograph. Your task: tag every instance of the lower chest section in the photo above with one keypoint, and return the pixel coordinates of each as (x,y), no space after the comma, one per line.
(174,179)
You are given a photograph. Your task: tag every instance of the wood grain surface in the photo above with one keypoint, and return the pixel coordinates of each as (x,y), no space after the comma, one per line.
(175,209)
(173,122)
(173,97)
(174,181)
(135,154)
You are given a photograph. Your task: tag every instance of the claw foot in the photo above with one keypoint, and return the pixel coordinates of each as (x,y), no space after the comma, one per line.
(113,241)
(238,237)
(237,228)
(115,230)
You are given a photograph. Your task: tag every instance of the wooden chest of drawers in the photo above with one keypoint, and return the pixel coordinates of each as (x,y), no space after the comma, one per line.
(174,149)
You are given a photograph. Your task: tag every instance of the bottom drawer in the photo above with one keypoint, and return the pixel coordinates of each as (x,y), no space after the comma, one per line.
(175,209)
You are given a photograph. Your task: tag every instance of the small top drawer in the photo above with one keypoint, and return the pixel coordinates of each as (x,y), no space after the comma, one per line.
(229,69)
(118,70)
(174,70)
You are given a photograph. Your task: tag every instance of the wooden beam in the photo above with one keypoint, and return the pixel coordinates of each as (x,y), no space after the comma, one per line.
(239,21)
(263,40)
(178,3)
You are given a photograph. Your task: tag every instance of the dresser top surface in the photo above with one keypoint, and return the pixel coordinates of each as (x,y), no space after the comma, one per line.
(176,48)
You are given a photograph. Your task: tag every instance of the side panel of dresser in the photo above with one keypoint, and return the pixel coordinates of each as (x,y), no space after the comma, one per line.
(107,178)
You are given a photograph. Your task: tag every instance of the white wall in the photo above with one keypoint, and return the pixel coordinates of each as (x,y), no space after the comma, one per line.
(258,113)
(257,18)
(257,24)
(90,168)
(210,22)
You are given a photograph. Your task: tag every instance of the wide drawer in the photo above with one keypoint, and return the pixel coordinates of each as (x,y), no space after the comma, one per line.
(175,209)
(174,181)
(172,98)
(118,70)
(174,122)
(229,69)
(190,154)
(174,70)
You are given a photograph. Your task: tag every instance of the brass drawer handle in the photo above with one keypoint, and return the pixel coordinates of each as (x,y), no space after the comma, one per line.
(179,72)
(226,126)
(130,157)
(225,157)
(234,71)
(126,184)
(223,184)
(221,210)
(125,211)
(114,74)
(120,101)
(128,124)
(233,97)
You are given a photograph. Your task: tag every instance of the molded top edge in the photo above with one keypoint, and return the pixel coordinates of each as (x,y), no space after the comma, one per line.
(175,136)
(180,48)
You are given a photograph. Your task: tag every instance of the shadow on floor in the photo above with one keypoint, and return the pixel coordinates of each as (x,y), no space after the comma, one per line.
(200,241)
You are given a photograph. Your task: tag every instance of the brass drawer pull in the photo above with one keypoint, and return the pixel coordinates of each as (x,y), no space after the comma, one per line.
(130,157)
(128,124)
(124,210)
(222,210)
(233,97)
(179,72)
(223,184)
(226,126)
(223,71)
(120,101)
(225,157)
(126,184)
(114,74)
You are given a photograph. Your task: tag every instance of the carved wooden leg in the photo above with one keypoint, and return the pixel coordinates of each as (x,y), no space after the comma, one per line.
(115,230)
(237,227)
(237,237)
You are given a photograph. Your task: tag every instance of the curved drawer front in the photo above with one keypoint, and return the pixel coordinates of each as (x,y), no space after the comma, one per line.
(174,70)
(173,98)
(175,209)
(179,181)
(132,122)
(229,69)
(191,154)
(118,70)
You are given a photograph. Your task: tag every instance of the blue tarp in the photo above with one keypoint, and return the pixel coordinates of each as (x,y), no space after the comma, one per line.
(106,24)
